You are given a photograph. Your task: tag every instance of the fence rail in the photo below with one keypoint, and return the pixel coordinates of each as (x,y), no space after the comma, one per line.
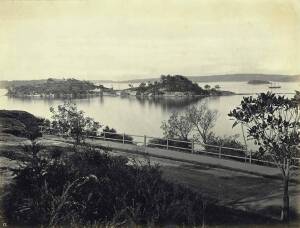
(190,146)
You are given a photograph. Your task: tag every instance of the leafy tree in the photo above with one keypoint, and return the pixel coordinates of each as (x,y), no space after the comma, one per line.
(70,122)
(273,123)
(177,126)
(203,119)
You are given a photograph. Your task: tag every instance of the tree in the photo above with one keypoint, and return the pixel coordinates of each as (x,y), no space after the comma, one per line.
(199,118)
(70,122)
(273,123)
(217,87)
(203,119)
(207,87)
(177,126)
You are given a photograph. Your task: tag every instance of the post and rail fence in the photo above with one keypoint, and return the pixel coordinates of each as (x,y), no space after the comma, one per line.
(192,146)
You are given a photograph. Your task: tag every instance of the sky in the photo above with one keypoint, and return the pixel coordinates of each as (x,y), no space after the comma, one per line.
(129,39)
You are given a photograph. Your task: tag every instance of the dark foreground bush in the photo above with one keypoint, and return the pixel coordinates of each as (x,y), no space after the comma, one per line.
(173,145)
(92,187)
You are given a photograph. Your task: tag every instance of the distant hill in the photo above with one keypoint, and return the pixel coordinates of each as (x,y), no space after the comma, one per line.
(4,84)
(254,82)
(230,78)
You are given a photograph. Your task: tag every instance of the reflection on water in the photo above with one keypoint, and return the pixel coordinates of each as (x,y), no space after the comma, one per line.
(169,104)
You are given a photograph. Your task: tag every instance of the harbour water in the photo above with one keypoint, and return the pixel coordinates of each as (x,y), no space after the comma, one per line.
(144,116)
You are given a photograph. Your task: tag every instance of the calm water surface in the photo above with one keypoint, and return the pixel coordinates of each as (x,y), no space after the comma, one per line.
(144,116)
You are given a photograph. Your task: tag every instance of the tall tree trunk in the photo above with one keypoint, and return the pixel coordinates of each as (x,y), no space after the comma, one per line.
(286,203)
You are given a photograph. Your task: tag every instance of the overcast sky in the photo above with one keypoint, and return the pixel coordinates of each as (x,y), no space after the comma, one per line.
(127,39)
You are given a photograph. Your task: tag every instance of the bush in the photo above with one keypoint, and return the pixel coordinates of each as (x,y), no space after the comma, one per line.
(226,141)
(68,121)
(184,146)
(90,187)
(112,135)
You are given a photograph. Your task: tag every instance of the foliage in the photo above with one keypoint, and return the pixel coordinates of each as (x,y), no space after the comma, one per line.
(273,123)
(178,83)
(112,135)
(203,119)
(207,87)
(57,87)
(70,122)
(162,143)
(177,126)
(226,141)
(91,187)
(198,119)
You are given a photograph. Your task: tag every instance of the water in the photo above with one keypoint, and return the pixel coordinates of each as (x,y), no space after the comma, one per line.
(144,116)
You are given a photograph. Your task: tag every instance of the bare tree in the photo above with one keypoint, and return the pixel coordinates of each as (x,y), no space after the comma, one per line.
(202,119)
(199,118)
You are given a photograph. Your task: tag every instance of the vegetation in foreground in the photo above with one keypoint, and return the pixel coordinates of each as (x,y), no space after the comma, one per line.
(91,187)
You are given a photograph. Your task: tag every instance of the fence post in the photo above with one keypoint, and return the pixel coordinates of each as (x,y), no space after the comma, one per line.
(145,141)
(220,150)
(193,146)
(167,143)
(123,138)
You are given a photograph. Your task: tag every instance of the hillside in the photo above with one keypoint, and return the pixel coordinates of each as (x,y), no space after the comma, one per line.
(230,78)
(19,123)
(52,88)
(254,82)
(176,85)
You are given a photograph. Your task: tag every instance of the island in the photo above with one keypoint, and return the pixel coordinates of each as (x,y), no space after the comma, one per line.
(257,82)
(56,88)
(173,86)
(168,86)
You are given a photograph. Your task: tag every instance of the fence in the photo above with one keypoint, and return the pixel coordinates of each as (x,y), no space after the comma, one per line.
(189,147)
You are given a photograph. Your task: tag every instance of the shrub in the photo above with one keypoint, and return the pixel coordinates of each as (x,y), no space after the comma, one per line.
(226,141)
(90,187)
(68,121)
(112,135)
(162,143)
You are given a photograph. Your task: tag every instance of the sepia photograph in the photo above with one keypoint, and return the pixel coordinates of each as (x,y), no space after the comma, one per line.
(136,113)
